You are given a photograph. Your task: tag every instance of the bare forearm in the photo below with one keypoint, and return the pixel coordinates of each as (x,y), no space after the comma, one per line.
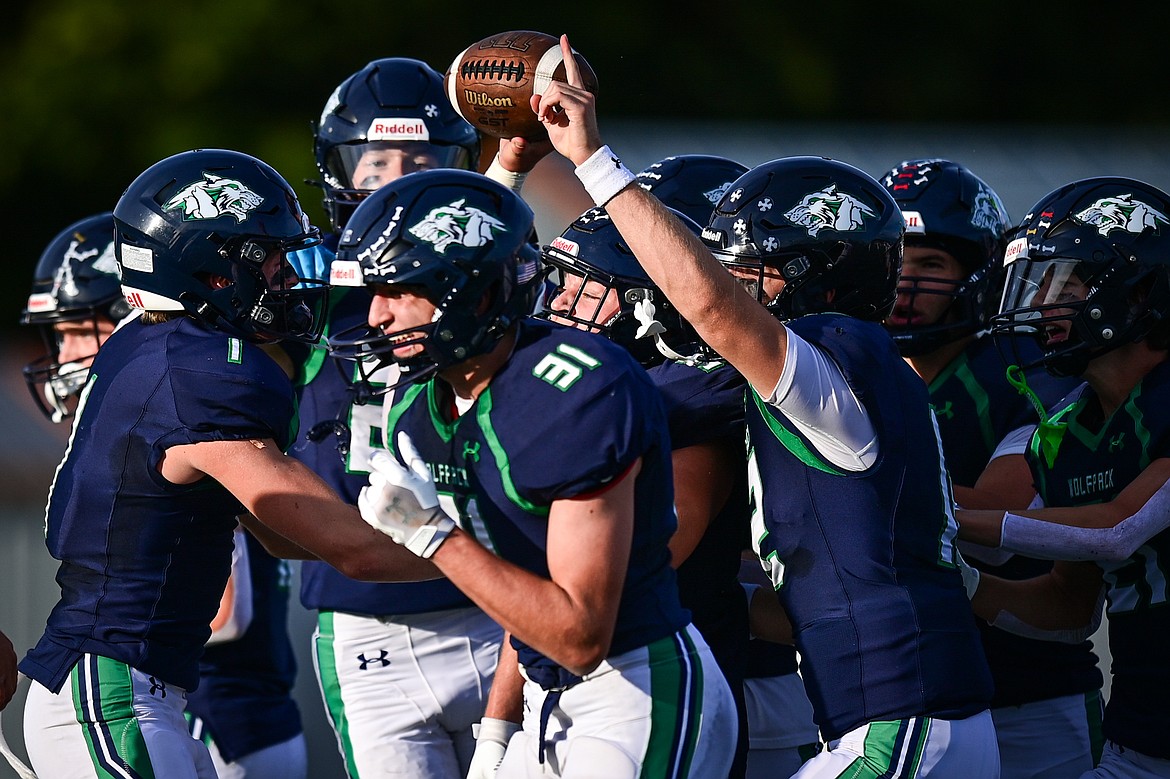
(506,697)
(534,609)
(333,531)
(274,543)
(680,264)
(1064,598)
(292,501)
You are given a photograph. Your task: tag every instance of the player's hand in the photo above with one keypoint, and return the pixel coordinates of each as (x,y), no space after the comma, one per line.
(569,112)
(8,671)
(491,741)
(401,501)
(520,155)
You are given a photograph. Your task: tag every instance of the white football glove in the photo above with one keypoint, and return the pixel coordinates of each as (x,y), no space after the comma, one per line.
(401,502)
(491,741)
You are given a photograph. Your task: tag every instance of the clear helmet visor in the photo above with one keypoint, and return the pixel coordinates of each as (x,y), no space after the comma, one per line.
(361,168)
(1040,283)
(1041,290)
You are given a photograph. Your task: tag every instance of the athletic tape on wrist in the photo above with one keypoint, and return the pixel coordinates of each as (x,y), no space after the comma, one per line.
(603,175)
(510,179)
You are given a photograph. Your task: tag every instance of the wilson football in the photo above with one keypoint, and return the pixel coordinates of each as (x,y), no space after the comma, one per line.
(491,81)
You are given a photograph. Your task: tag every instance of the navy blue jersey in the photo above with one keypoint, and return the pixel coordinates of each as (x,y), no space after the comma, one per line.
(245,691)
(340,454)
(566,415)
(704,404)
(143,561)
(976,408)
(1095,460)
(864,561)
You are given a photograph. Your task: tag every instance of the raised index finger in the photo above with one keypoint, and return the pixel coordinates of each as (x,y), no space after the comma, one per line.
(572,73)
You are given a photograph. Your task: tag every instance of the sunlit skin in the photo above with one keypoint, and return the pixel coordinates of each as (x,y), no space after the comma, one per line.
(380,166)
(594,303)
(924,303)
(398,307)
(1069,290)
(79,341)
(773,281)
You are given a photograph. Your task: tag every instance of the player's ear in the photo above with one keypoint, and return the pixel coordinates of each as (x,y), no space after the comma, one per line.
(216,281)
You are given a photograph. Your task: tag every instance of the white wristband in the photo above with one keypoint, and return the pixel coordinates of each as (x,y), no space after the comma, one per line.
(603,175)
(511,180)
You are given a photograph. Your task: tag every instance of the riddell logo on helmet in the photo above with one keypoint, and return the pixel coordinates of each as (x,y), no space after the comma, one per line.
(345,273)
(41,301)
(565,245)
(1016,250)
(398,129)
(914,223)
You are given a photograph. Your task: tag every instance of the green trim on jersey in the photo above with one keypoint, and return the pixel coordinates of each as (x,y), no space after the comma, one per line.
(317,356)
(960,369)
(1093,440)
(331,687)
(791,441)
(398,409)
(666,746)
(117,716)
(483,411)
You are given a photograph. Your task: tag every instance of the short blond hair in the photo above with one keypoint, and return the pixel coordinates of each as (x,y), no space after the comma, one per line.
(158,317)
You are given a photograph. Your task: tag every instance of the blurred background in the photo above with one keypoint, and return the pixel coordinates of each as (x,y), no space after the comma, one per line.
(1029,96)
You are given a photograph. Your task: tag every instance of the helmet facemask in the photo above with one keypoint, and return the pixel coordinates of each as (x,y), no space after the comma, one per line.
(55,386)
(1078,310)
(262,306)
(963,304)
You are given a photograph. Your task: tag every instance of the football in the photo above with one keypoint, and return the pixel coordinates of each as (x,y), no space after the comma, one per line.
(491,82)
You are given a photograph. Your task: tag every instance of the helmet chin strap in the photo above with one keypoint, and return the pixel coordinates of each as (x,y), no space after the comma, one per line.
(649,327)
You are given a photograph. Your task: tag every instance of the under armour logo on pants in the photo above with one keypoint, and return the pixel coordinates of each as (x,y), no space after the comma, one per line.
(380,659)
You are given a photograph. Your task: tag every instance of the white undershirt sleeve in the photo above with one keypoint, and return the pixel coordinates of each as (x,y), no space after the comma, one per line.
(813,394)
(1015,442)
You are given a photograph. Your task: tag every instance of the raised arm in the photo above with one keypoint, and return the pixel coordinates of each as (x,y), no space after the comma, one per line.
(730,321)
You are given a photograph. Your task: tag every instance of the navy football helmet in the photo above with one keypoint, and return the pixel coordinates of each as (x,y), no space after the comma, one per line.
(691,183)
(948,207)
(468,242)
(644,321)
(829,229)
(76,280)
(395,106)
(215,213)
(1088,270)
